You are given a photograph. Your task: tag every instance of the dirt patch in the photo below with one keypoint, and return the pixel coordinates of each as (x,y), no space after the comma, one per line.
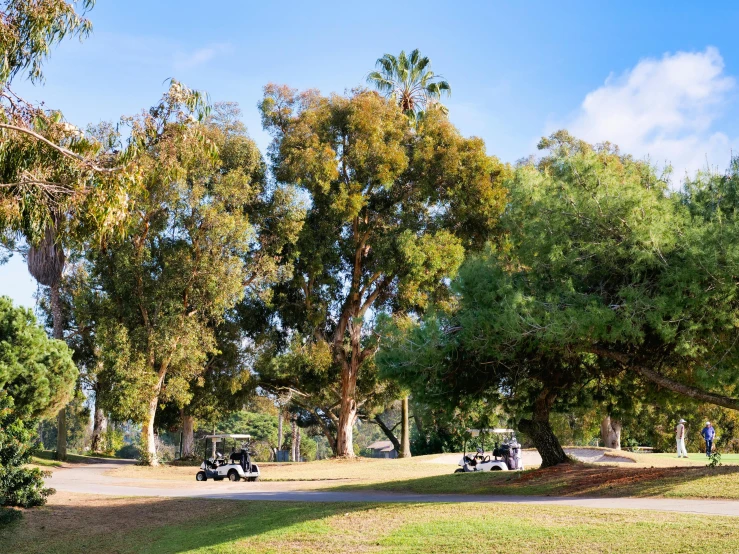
(576,480)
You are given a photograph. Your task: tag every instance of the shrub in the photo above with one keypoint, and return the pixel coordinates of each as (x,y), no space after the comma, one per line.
(19,485)
(113,442)
(130,451)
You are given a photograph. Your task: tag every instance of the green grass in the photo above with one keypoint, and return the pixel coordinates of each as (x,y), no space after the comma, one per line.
(46,458)
(89,524)
(365,470)
(577,480)
(699,457)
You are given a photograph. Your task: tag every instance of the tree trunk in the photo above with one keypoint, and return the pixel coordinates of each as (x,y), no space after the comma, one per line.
(99,426)
(148,439)
(405,431)
(348,413)
(540,431)
(610,433)
(294,426)
(297,445)
(667,383)
(389,434)
(279,431)
(188,436)
(61,418)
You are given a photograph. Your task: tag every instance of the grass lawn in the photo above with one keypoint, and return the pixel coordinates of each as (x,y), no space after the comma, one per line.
(46,458)
(359,470)
(729,459)
(665,478)
(79,523)
(577,480)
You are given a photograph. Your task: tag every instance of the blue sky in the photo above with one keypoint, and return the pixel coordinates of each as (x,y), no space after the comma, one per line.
(658,78)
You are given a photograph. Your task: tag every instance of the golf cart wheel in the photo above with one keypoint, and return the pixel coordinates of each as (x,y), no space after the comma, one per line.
(233,475)
(459,470)
(252,479)
(201,476)
(496,468)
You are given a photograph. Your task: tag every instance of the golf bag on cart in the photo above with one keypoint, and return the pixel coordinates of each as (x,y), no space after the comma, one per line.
(510,453)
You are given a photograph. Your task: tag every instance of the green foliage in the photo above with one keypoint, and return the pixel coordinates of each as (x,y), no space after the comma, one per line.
(190,249)
(391,211)
(19,485)
(714,459)
(599,288)
(36,372)
(409,81)
(262,427)
(28,29)
(112,441)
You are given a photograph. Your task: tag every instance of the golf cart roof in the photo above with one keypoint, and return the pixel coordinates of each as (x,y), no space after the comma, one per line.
(476,432)
(228,436)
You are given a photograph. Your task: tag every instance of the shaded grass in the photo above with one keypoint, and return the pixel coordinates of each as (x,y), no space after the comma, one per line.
(80,523)
(577,480)
(46,457)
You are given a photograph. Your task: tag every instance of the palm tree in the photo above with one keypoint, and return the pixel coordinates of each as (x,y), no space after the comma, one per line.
(409,80)
(46,265)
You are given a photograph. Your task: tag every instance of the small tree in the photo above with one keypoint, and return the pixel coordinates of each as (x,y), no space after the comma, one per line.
(37,377)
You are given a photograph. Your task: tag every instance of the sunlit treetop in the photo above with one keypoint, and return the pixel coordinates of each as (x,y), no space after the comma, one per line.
(29,28)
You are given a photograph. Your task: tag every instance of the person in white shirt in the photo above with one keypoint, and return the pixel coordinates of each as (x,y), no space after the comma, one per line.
(680,439)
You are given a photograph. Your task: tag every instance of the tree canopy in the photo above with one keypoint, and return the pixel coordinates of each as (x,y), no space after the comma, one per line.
(602,274)
(391,211)
(35,371)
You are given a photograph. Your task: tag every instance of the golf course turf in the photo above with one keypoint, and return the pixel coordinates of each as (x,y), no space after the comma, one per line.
(84,523)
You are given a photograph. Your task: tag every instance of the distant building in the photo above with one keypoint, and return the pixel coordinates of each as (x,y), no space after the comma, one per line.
(382,449)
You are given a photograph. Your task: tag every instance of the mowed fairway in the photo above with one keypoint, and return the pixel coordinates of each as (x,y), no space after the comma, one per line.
(84,523)
(663,477)
(362,470)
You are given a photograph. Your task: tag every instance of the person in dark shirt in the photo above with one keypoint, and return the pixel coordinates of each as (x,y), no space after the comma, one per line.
(708,433)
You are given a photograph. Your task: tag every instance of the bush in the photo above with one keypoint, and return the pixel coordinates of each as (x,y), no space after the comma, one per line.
(19,486)
(130,451)
(113,442)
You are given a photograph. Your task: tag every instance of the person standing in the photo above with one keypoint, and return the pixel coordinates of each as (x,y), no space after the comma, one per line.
(708,434)
(680,439)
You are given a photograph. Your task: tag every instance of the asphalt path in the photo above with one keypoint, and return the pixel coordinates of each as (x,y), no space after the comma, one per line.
(91,479)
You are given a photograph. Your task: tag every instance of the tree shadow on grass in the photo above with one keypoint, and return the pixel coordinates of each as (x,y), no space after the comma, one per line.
(81,523)
(575,480)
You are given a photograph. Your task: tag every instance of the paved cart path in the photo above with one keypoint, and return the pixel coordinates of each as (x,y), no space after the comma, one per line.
(91,479)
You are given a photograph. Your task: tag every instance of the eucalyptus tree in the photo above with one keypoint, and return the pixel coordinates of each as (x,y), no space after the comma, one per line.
(409,81)
(205,229)
(55,180)
(391,211)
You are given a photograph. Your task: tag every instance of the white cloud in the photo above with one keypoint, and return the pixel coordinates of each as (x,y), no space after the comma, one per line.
(664,109)
(199,57)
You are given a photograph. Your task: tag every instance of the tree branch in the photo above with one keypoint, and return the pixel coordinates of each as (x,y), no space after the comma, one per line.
(60,149)
(388,432)
(667,383)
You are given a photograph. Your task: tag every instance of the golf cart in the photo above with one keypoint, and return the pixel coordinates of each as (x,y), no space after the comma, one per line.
(506,455)
(236,466)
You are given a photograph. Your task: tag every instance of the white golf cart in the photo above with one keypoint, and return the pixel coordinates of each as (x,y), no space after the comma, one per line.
(235,467)
(506,455)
